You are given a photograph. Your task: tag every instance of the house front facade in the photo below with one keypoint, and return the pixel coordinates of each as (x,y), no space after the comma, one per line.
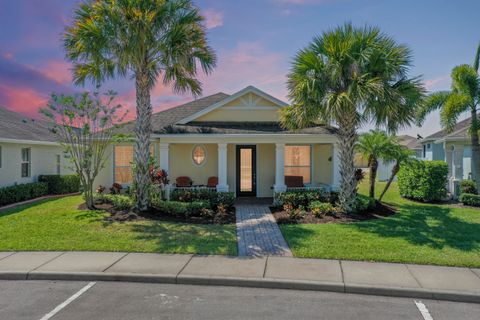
(232,143)
(455,149)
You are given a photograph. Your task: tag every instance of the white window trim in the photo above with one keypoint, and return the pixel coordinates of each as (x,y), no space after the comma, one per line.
(206,155)
(311,161)
(29,162)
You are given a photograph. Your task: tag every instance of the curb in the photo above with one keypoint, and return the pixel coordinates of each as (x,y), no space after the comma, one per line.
(265,283)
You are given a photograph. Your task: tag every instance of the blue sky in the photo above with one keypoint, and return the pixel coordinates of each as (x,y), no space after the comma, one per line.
(255,42)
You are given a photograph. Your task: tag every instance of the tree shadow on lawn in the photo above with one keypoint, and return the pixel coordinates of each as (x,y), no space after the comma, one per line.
(17,209)
(431,225)
(187,238)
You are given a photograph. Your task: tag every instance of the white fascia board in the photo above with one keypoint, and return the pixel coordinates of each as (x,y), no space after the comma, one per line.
(35,142)
(249,89)
(247,138)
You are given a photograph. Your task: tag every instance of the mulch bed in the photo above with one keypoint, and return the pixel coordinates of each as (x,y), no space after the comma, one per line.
(381,211)
(153,214)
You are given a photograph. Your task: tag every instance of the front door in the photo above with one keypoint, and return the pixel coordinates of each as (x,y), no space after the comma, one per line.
(246,171)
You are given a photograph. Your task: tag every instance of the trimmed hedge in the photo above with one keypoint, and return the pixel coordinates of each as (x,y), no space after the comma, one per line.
(303,198)
(185,209)
(22,192)
(215,198)
(468,186)
(470,199)
(423,180)
(58,184)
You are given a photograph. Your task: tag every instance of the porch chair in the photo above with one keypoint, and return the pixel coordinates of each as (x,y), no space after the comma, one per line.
(183,182)
(294,181)
(212,182)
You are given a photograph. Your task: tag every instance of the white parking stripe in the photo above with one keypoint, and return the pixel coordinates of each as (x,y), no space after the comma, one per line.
(423,310)
(67,302)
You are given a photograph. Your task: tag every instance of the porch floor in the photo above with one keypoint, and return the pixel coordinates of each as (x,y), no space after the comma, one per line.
(257,232)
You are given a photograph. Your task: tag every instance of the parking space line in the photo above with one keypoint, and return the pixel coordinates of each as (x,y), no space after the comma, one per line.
(423,310)
(67,302)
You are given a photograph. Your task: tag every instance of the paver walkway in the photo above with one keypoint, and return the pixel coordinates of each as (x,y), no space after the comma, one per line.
(257,231)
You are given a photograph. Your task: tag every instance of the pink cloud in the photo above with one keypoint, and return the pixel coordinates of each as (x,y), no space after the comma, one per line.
(213,18)
(58,71)
(22,99)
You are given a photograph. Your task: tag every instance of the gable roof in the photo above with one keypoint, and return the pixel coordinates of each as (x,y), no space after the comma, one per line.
(171,116)
(409,142)
(460,131)
(247,90)
(16,126)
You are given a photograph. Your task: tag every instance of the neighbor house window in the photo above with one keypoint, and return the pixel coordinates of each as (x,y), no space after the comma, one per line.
(298,162)
(199,155)
(26,162)
(58,160)
(122,165)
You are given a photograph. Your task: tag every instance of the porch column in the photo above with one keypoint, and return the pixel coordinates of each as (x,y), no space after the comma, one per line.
(279,168)
(458,162)
(335,167)
(164,148)
(448,160)
(222,185)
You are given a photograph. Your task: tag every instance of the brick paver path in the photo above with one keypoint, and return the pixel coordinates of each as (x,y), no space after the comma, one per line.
(257,232)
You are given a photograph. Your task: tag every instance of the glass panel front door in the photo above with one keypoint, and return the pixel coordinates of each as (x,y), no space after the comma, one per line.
(246,171)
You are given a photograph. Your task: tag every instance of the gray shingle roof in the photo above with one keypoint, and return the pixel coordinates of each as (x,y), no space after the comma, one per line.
(14,125)
(459,131)
(171,116)
(409,142)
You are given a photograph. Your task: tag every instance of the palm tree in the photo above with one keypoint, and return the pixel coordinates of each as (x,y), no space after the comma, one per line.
(352,76)
(463,97)
(374,145)
(400,155)
(144,39)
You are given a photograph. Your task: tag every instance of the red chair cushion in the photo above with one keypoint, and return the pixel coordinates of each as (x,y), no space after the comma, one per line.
(212,182)
(184,182)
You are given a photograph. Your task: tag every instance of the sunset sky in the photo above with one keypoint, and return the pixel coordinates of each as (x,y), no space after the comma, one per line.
(255,41)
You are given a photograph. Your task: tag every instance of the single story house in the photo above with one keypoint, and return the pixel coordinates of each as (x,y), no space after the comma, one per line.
(385,168)
(28,149)
(453,148)
(235,142)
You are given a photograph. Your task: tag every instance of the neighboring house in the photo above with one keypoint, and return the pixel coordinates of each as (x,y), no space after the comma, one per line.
(385,168)
(237,141)
(453,148)
(27,149)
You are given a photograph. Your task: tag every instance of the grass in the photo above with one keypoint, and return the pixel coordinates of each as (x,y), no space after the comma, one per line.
(419,233)
(58,224)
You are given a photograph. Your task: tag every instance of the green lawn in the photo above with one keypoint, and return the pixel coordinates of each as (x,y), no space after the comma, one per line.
(418,233)
(59,225)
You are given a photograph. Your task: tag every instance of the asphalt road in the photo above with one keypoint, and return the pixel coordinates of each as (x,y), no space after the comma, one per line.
(47,300)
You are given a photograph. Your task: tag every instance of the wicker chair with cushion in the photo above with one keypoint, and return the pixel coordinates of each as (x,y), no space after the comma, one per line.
(212,182)
(183,182)
(294,181)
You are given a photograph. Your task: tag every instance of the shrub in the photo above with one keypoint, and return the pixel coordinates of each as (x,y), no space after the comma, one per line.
(185,209)
(58,184)
(320,209)
(423,180)
(470,199)
(303,197)
(468,186)
(118,201)
(22,192)
(364,203)
(215,198)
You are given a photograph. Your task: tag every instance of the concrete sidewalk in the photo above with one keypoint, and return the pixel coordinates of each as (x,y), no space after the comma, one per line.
(401,280)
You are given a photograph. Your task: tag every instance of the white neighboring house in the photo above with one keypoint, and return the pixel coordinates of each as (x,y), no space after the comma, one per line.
(28,149)
(385,169)
(454,148)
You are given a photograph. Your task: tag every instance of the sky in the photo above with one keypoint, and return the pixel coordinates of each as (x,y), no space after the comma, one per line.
(255,41)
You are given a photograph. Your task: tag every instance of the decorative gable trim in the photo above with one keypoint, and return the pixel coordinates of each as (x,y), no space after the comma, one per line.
(250,104)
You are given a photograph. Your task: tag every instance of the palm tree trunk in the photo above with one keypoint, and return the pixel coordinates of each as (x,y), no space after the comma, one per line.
(142,142)
(475,148)
(373,164)
(348,184)
(395,170)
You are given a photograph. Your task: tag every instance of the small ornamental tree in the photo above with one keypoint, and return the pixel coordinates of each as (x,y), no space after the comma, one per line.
(84,124)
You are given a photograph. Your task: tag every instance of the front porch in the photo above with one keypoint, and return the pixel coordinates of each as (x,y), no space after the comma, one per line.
(250,166)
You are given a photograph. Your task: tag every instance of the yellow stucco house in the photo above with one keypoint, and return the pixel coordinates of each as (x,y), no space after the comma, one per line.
(237,139)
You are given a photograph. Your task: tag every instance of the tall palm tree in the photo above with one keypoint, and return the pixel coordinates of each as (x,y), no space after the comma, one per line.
(374,145)
(400,155)
(144,39)
(463,97)
(352,76)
